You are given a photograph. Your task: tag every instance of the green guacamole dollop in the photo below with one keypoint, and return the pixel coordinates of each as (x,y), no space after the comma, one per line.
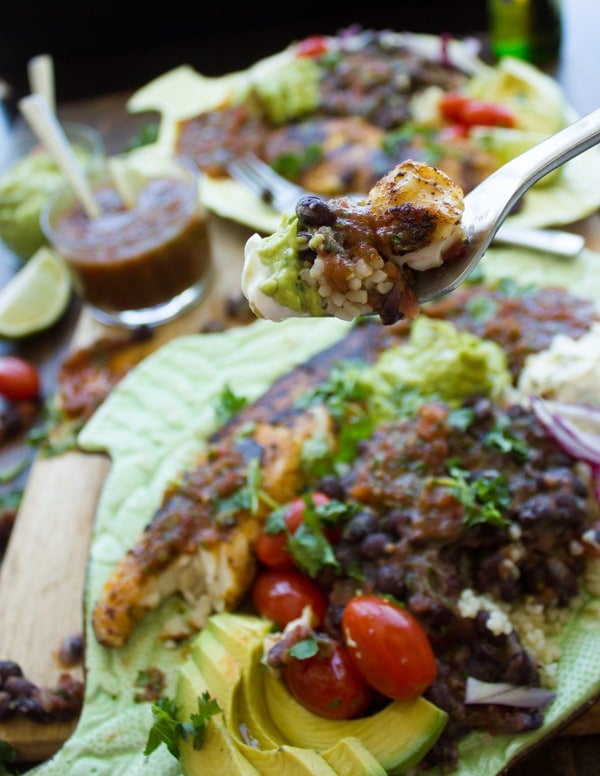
(25,188)
(438,361)
(279,252)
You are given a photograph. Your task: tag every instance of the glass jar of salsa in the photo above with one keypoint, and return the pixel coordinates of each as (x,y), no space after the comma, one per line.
(146,258)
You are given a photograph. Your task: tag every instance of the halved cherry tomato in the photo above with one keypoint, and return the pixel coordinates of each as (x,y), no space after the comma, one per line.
(313,46)
(328,683)
(19,380)
(389,647)
(282,595)
(271,549)
(460,109)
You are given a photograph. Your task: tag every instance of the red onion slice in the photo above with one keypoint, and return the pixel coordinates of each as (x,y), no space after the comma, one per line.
(504,694)
(581,444)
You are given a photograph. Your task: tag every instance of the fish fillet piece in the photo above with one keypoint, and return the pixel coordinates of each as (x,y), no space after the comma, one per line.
(199,543)
(346,258)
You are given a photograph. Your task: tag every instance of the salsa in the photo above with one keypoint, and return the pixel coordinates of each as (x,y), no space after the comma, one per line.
(137,258)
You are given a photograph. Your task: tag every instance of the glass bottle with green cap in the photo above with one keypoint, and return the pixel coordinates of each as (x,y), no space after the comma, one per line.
(527,29)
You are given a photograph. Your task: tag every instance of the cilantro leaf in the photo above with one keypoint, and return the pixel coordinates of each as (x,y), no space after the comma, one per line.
(503,439)
(166,728)
(229,404)
(484,498)
(169,730)
(304,649)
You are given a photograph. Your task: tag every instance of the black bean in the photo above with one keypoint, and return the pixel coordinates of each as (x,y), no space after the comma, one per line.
(314,211)
(389,579)
(9,668)
(359,526)
(375,545)
(332,487)
(71,651)
(18,685)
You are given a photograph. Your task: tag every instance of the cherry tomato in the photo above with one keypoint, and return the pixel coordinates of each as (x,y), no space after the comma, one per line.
(328,684)
(388,646)
(282,595)
(313,46)
(271,549)
(451,105)
(19,380)
(487,114)
(459,109)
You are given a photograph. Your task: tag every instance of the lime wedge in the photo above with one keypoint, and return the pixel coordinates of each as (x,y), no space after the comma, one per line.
(36,296)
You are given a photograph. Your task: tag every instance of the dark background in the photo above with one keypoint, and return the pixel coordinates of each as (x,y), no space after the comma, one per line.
(100,47)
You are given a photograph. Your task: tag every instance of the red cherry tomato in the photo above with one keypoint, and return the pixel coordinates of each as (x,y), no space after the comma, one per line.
(451,105)
(459,109)
(388,646)
(282,595)
(19,380)
(313,46)
(328,684)
(475,113)
(271,549)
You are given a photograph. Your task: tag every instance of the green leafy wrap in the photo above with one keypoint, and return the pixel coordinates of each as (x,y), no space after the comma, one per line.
(153,425)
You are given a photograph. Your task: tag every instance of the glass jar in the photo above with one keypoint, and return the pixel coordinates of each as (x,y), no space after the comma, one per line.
(146,258)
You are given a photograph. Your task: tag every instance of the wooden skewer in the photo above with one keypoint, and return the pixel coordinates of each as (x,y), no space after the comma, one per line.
(40,71)
(51,135)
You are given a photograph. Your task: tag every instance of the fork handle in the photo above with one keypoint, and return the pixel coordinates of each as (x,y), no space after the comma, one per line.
(498,194)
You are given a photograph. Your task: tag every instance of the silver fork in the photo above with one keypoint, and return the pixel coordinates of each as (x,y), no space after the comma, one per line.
(282,195)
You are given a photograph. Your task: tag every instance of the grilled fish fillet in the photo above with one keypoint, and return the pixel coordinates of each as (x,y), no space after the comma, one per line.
(199,543)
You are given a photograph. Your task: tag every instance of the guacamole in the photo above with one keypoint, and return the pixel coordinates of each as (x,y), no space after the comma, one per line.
(272,269)
(25,187)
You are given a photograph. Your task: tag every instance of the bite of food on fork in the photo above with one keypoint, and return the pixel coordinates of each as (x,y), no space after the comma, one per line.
(345,257)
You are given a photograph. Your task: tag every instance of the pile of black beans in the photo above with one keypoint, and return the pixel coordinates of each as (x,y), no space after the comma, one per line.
(21,697)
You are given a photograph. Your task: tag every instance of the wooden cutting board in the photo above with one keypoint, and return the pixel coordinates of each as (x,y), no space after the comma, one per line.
(43,573)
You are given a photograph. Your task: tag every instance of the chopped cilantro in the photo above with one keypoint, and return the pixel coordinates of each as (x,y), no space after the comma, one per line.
(482,308)
(304,649)
(308,545)
(229,404)
(461,418)
(501,438)
(169,730)
(247,498)
(484,498)
(291,165)
(147,134)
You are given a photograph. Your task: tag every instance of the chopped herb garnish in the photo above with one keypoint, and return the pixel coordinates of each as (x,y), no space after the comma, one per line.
(484,498)
(304,649)
(482,308)
(229,404)
(247,498)
(291,165)
(461,418)
(169,730)
(147,134)
(501,438)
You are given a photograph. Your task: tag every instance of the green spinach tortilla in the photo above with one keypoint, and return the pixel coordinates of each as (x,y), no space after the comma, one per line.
(153,425)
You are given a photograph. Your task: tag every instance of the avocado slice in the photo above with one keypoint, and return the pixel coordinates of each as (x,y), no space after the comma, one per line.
(350,755)
(398,736)
(219,753)
(224,653)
